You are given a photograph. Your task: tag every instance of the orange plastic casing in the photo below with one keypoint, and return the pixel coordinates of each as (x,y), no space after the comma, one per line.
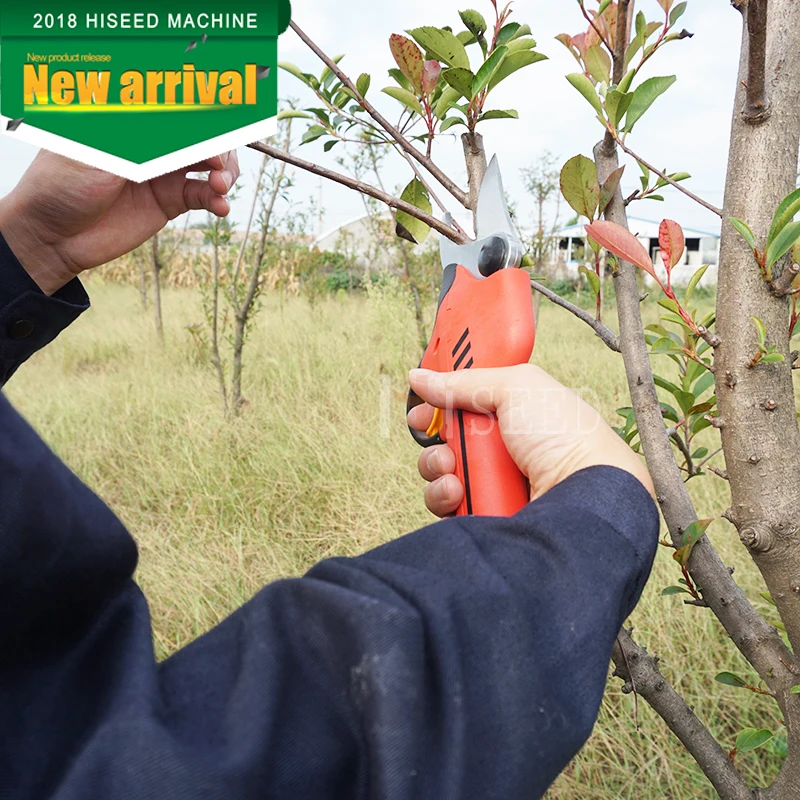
(483,322)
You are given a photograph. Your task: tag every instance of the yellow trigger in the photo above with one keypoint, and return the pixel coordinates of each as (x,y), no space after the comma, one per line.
(437,424)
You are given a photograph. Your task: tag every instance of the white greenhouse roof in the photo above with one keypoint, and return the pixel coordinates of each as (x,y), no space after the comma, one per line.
(644,228)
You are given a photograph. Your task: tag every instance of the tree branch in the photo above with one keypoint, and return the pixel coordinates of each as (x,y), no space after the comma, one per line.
(782,285)
(597,30)
(759,643)
(756,108)
(640,671)
(360,186)
(601,330)
(664,177)
(426,162)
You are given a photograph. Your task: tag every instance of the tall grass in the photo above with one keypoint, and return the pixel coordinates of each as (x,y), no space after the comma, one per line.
(221,509)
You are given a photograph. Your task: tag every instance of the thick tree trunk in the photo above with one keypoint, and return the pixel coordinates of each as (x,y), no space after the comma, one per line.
(760,435)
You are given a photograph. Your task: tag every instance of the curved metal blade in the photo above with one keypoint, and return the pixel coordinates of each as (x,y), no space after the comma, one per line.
(492,216)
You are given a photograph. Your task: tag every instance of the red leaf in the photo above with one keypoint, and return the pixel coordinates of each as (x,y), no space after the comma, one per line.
(672,243)
(409,58)
(430,76)
(621,242)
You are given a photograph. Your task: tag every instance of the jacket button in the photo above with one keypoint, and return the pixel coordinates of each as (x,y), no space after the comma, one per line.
(21,329)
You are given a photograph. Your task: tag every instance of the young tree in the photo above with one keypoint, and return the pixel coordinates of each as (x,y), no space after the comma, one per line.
(542,184)
(734,381)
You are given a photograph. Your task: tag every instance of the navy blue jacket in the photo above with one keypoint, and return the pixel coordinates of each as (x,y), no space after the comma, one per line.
(466,660)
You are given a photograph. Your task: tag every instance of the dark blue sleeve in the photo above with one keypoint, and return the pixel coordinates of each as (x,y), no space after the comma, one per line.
(466,660)
(29,319)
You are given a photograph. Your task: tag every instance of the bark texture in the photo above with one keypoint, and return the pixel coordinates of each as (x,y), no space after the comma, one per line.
(757,406)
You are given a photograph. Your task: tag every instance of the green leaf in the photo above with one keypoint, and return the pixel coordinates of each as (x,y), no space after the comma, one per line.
(363,83)
(744,232)
(405,97)
(794,690)
(313,133)
(644,96)
(488,70)
(442,45)
(783,243)
(517,45)
(286,66)
(693,283)
(787,210)
(750,739)
(664,346)
(603,6)
(591,277)
(768,597)
(401,79)
(417,195)
(761,331)
(663,382)
(700,453)
(328,146)
(617,105)
(677,13)
(585,87)
(449,97)
(773,358)
(625,83)
(514,62)
(292,113)
(703,384)
(507,33)
(579,185)
(598,63)
(691,536)
(731,679)
(449,122)
(461,80)
(499,114)
(327,75)
(474,22)
(671,590)
(609,188)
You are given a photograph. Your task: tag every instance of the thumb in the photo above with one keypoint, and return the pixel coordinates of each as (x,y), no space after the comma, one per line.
(471,390)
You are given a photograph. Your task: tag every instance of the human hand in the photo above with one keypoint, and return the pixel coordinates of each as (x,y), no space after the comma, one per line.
(549,431)
(65,217)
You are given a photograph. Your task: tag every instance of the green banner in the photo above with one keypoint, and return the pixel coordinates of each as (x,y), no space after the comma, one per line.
(139,81)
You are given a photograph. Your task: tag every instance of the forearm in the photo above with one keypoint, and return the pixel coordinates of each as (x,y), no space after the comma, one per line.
(29,319)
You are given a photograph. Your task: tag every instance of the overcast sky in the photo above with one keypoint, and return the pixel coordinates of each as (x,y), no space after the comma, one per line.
(687,129)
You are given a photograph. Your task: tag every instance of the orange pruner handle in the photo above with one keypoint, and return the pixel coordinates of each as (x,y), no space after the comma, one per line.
(484,322)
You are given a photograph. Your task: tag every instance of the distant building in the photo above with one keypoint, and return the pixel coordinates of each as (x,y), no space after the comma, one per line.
(702,247)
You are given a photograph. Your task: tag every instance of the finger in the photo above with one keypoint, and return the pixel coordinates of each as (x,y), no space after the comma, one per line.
(198,195)
(223,180)
(215,162)
(421,417)
(444,496)
(481,390)
(436,461)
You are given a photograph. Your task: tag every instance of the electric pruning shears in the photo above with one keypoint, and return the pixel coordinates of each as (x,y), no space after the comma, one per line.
(485,319)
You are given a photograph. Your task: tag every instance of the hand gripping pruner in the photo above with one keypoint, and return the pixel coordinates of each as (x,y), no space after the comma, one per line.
(485,319)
